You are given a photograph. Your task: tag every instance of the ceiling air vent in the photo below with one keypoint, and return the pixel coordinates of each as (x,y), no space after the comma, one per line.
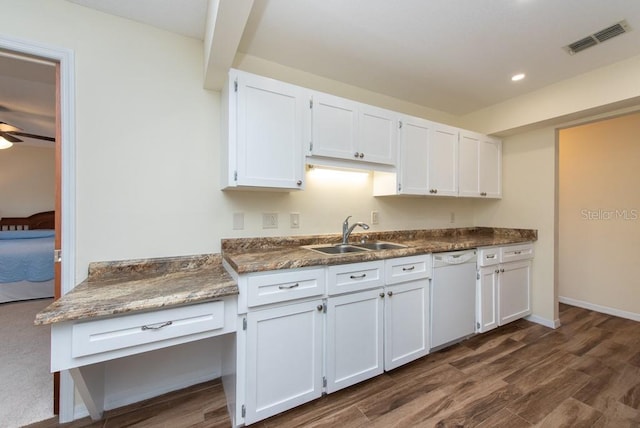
(598,37)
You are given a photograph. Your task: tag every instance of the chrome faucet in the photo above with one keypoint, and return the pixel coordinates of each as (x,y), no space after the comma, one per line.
(346,229)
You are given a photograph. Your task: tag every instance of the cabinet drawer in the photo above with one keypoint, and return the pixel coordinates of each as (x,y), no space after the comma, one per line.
(488,256)
(355,277)
(512,253)
(407,269)
(94,337)
(282,286)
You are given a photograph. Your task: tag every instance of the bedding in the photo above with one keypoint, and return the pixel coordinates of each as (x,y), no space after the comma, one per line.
(26,264)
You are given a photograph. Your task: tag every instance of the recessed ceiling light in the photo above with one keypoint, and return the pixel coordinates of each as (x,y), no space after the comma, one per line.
(517,77)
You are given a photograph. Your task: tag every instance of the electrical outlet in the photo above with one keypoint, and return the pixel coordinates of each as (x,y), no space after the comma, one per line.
(269,220)
(294,220)
(238,221)
(375,217)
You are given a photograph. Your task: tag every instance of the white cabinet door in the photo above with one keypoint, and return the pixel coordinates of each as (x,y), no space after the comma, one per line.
(468,163)
(334,125)
(265,133)
(515,291)
(414,154)
(405,322)
(487,299)
(378,135)
(490,161)
(354,346)
(269,133)
(443,161)
(480,163)
(284,358)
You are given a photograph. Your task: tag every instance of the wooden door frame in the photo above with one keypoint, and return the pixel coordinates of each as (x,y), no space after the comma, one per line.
(65,178)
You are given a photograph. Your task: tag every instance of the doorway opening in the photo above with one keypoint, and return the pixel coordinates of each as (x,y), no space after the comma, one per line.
(63,60)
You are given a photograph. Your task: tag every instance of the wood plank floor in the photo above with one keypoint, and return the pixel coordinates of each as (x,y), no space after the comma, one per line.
(584,374)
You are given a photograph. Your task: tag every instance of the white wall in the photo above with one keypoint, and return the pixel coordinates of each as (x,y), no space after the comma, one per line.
(599,214)
(27,180)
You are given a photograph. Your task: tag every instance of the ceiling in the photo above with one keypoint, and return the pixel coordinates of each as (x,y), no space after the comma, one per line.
(28,97)
(456,56)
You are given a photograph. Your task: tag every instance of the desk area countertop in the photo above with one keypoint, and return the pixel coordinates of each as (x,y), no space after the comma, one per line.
(122,287)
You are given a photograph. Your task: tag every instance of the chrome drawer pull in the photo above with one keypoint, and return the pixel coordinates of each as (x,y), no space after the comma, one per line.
(408,269)
(288,287)
(358,276)
(491,256)
(517,252)
(149,327)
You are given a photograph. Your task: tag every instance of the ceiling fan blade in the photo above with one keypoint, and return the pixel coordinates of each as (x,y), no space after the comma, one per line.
(10,138)
(39,137)
(5,127)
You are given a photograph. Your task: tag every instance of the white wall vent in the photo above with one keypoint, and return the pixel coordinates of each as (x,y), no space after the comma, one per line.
(598,37)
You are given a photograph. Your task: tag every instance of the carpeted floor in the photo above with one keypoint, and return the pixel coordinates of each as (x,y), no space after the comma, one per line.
(26,386)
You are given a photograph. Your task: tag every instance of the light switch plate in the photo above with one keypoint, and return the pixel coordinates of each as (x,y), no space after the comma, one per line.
(269,220)
(294,220)
(375,217)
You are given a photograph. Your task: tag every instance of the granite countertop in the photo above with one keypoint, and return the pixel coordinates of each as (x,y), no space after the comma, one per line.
(247,255)
(116,288)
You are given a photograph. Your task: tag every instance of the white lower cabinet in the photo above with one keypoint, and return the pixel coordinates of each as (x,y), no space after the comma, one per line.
(367,318)
(355,337)
(503,287)
(284,348)
(406,322)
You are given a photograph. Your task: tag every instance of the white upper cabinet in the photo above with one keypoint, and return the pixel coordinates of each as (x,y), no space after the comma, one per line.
(378,135)
(350,131)
(443,161)
(480,165)
(428,161)
(334,126)
(262,133)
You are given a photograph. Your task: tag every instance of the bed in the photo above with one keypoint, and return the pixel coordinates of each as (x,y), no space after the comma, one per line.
(26,257)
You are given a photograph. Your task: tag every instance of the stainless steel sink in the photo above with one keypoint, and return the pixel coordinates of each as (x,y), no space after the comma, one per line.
(337,249)
(354,248)
(380,246)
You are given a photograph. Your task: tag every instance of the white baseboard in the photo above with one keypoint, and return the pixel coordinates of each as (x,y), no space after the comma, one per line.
(599,308)
(544,321)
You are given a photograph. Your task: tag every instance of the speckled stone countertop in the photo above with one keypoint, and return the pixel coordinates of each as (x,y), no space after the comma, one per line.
(116,288)
(246,255)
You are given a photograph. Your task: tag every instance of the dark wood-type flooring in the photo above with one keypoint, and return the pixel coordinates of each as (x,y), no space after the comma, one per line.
(583,374)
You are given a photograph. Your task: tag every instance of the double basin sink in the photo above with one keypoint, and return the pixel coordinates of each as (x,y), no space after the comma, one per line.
(355,248)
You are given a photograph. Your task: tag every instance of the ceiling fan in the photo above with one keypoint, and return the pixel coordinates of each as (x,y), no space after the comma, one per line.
(11,134)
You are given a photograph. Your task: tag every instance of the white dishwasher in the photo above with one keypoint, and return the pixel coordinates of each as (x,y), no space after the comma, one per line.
(453,297)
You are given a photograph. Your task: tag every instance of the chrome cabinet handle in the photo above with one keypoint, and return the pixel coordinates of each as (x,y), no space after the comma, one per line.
(497,271)
(491,256)
(361,155)
(382,295)
(408,269)
(320,307)
(299,182)
(356,154)
(517,252)
(158,327)
(501,270)
(358,276)
(483,193)
(390,293)
(288,287)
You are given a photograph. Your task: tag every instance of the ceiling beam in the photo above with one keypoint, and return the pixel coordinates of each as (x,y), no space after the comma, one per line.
(226,20)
